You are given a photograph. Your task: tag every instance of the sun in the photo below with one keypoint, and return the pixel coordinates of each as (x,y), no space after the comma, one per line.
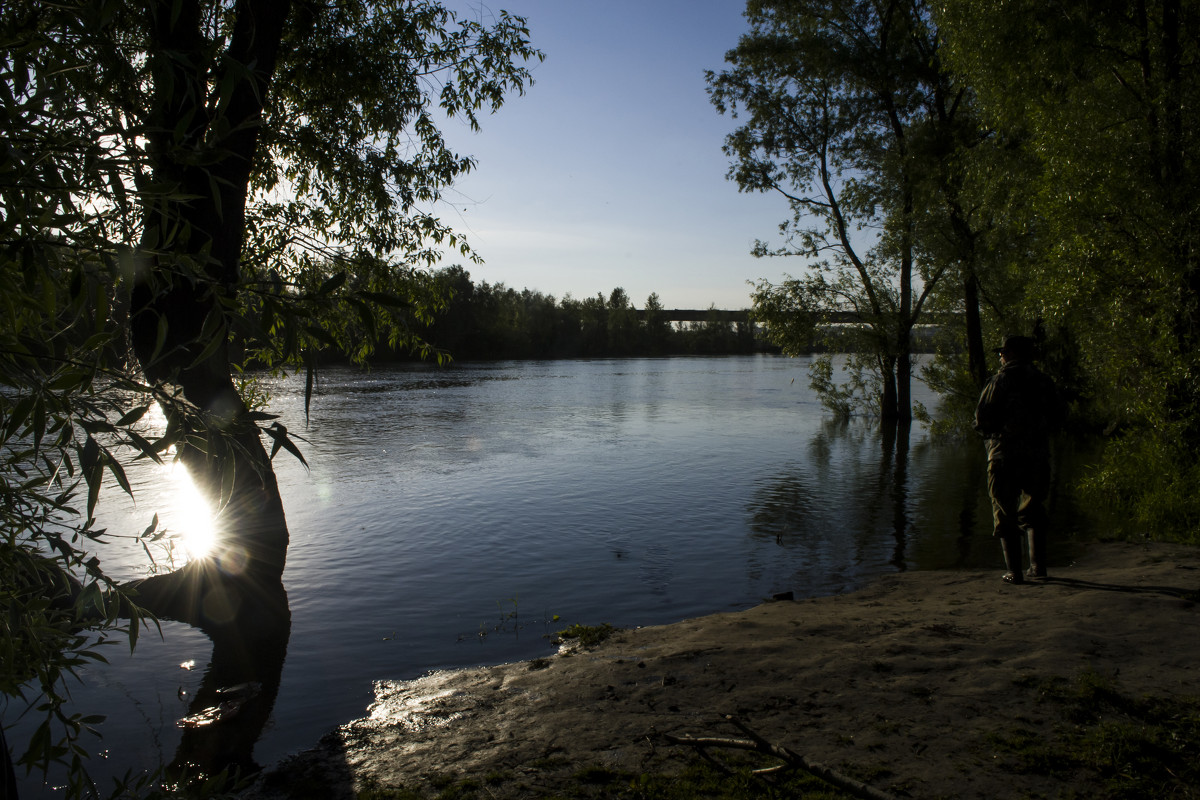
(193,517)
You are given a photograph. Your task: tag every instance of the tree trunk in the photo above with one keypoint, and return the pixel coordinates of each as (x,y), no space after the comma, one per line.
(904,380)
(191,252)
(894,440)
(906,320)
(976,353)
(888,409)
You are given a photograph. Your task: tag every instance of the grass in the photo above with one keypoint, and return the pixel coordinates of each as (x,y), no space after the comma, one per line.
(586,635)
(1131,747)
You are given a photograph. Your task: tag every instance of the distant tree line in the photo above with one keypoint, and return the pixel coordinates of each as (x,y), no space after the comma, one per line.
(483,321)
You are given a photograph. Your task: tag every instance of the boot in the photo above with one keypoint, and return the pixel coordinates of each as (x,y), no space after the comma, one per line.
(1037,553)
(1010,546)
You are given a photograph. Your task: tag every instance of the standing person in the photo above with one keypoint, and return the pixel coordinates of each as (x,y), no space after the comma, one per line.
(1017,412)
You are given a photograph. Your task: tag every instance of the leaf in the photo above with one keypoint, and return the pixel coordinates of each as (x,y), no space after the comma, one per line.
(214,186)
(394,301)
(91,598)
(367,315)
(75,288)
(133,415)
(160,338)
(96,426)
(144,447)
(20,413)
(118,472)
(321,335)
(279,434)
(214,340)
(39,422)
(135,626)
(68,381)
(333,283)
(89,456)
(94,479)
(228,474)
(309,373)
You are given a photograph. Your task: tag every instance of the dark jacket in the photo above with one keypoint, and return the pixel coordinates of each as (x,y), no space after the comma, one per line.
(1018,411)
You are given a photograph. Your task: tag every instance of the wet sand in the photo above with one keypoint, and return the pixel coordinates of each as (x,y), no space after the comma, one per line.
(899,684)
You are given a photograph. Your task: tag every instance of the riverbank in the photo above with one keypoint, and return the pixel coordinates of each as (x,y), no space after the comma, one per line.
(924,685)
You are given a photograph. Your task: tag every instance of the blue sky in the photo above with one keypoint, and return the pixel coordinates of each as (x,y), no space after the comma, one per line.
(609,172)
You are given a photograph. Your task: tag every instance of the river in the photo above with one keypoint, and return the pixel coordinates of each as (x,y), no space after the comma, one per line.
(460,516)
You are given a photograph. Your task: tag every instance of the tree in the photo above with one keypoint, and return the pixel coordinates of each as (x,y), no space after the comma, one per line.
(657,326)
(846,105)
(593,313)
(1100,98)
(453,328)
(189,186)
(623,330)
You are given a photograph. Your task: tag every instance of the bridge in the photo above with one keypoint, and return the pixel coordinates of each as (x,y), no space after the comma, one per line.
(837,318)
(695,315)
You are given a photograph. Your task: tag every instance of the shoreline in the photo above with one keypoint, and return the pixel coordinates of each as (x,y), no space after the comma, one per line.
(907,684)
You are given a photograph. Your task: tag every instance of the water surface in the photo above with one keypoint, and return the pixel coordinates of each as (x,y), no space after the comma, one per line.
(460,516)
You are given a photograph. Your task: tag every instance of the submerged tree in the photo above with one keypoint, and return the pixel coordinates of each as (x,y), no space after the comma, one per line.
(191,186)
(851,118)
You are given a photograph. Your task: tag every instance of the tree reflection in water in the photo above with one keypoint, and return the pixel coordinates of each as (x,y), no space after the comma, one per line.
(840,503)
(244,612)
(238,692)
(865,493)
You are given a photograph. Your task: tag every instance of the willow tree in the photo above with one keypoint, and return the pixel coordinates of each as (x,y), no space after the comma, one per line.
(190,187)
(851,118)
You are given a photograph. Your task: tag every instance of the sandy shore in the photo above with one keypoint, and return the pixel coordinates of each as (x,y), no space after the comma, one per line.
(903,684)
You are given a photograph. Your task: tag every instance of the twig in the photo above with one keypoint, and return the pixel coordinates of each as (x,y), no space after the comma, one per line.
(789,757)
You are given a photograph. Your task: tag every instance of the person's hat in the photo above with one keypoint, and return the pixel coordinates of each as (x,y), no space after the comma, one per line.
(1017,346)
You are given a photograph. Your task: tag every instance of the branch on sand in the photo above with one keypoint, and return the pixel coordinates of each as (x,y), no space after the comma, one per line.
(790,758)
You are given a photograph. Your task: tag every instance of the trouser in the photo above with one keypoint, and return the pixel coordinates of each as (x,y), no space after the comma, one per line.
(1019,487)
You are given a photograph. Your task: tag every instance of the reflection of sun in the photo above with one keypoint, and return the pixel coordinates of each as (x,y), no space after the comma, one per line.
(194,519)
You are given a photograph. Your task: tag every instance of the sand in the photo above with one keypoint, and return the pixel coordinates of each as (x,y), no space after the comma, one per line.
(904,684)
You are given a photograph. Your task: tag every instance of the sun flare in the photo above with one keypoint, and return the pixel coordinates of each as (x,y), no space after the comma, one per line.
(194,519)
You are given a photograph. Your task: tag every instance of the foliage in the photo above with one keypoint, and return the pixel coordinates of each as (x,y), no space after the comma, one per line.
(848,113)
(1037,162)
(853,393)
(1100,101)
(657,326)
(186,191)
(1138,747)
(790,313)
(72,415)
(587,635)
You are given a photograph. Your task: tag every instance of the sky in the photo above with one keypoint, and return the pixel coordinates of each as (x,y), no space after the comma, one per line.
(609,172)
